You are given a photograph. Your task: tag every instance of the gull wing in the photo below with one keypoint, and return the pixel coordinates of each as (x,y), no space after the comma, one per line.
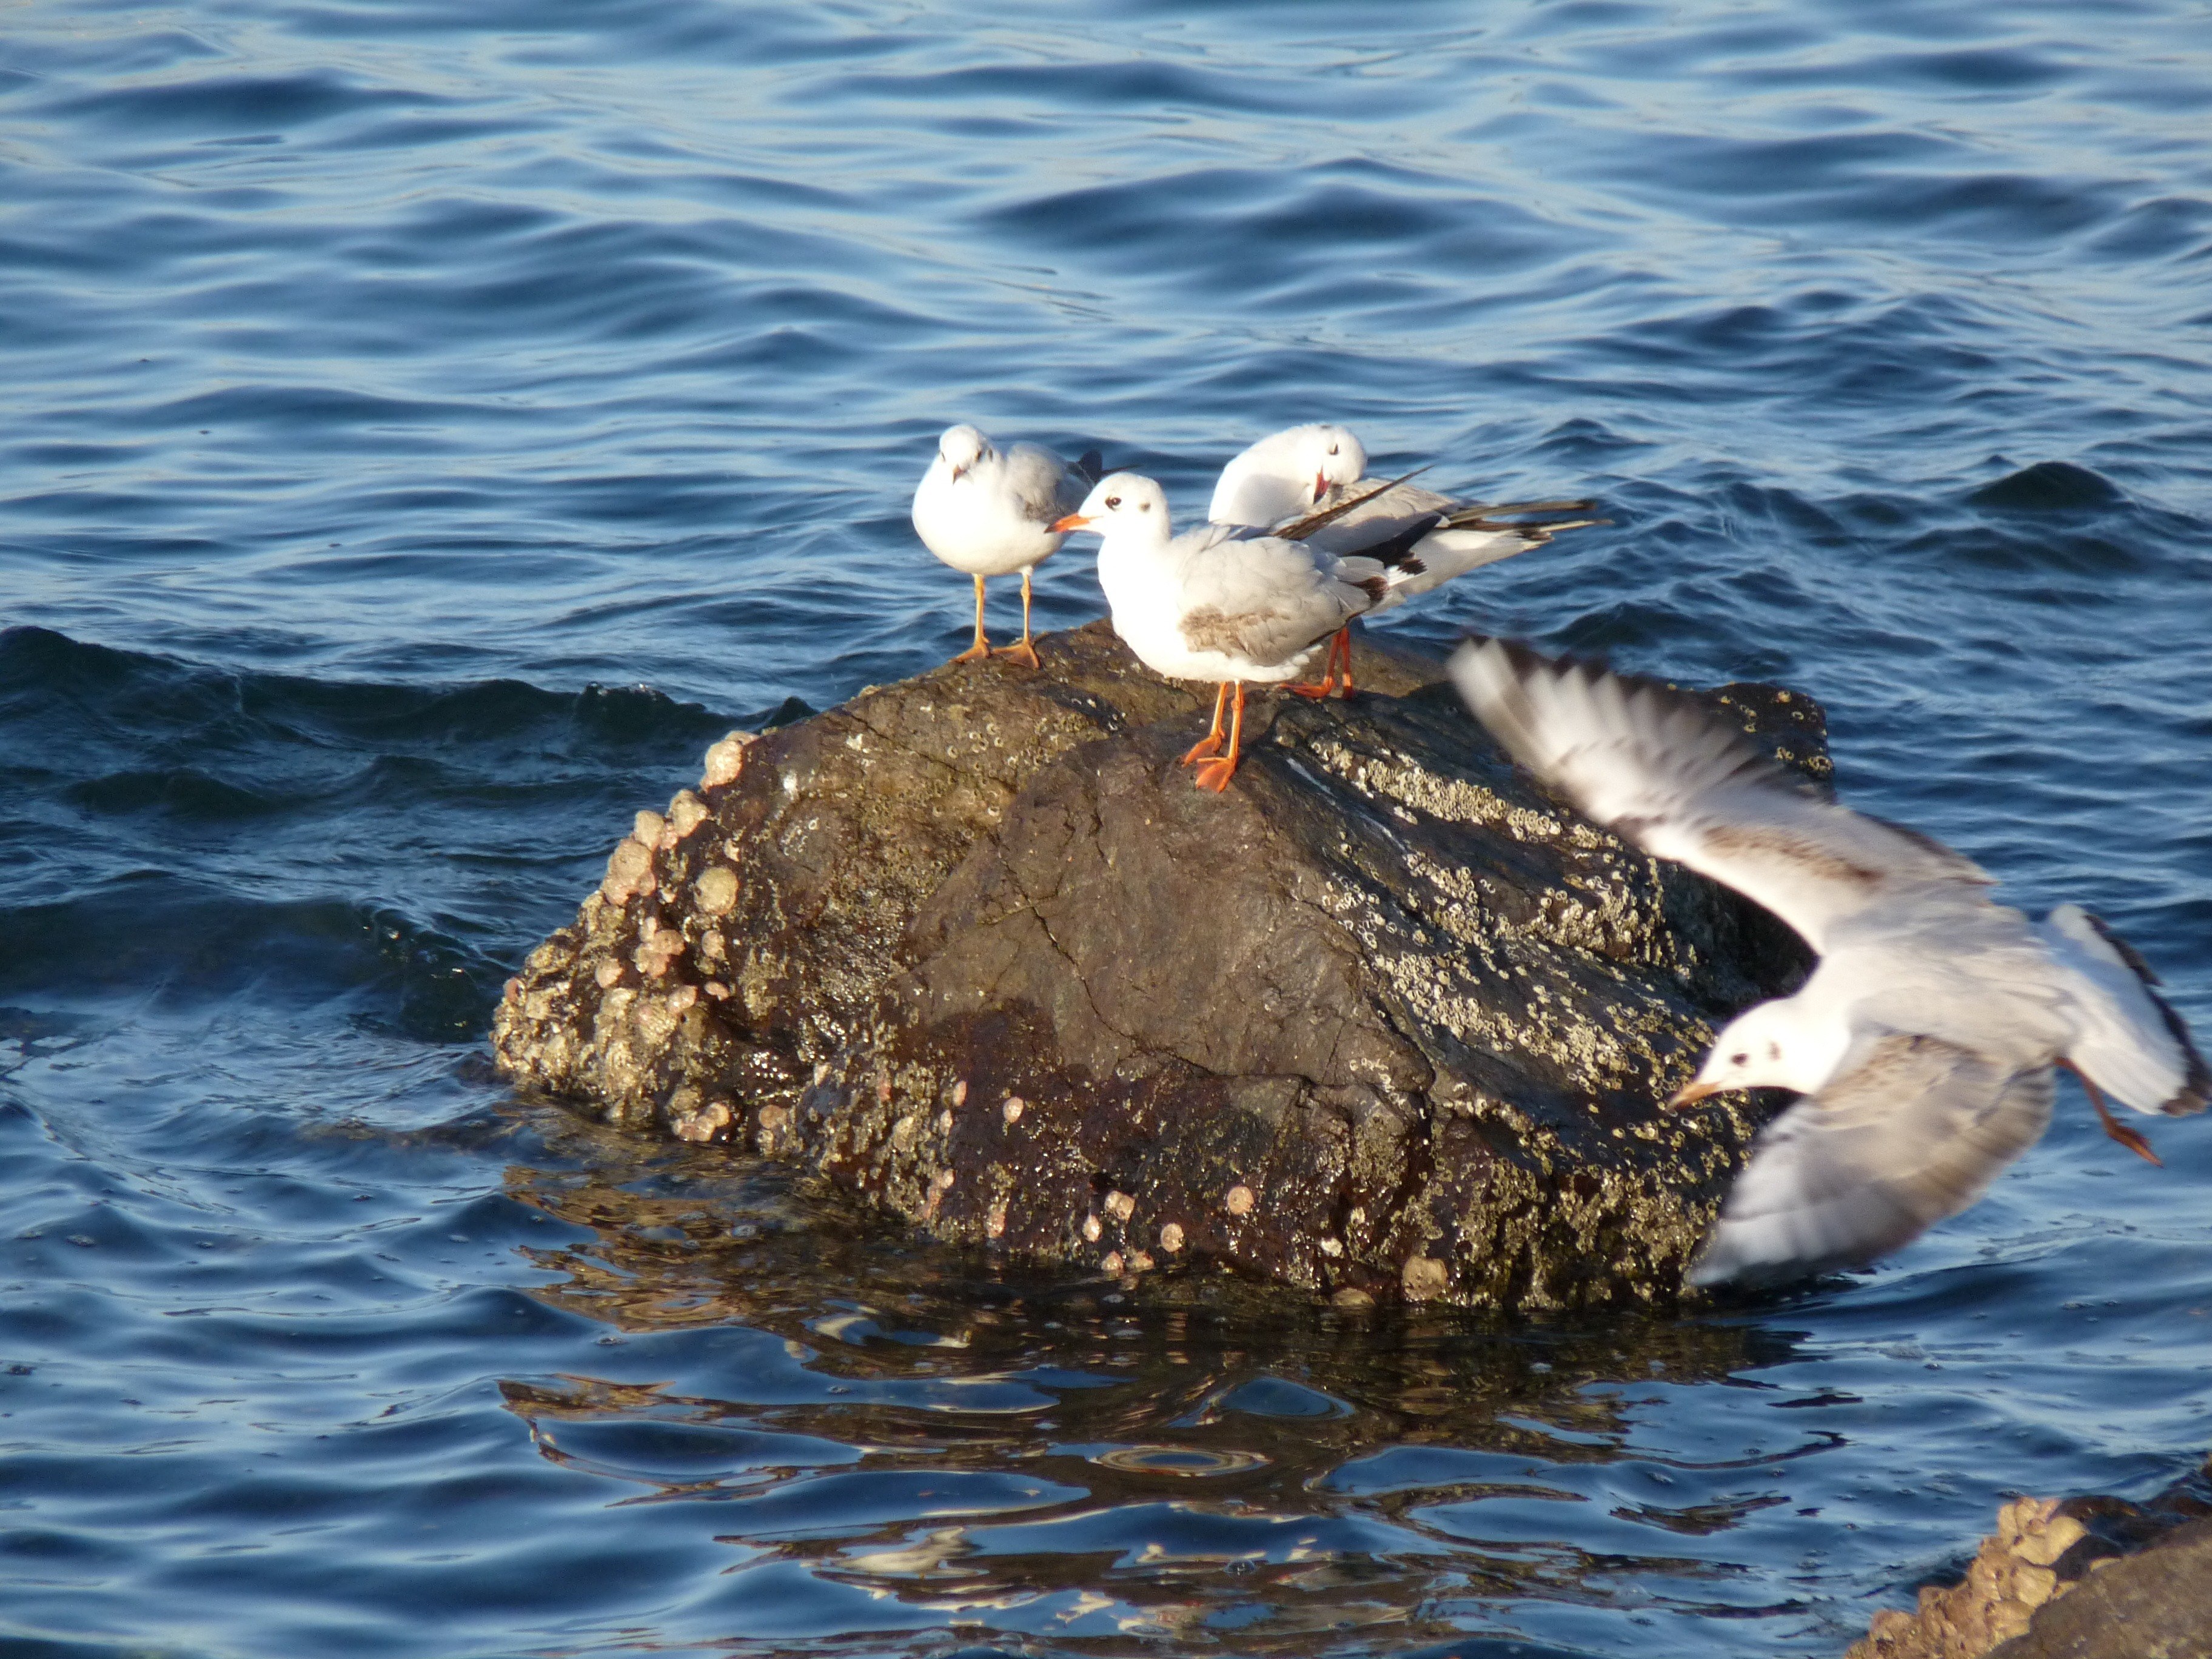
(1443,538)
(2128,1038)
(1044,487)
(1361,498)
(1911,1133)
(1664,771)
(1267,599)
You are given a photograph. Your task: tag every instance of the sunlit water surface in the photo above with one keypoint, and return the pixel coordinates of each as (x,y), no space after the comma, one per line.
(428,426)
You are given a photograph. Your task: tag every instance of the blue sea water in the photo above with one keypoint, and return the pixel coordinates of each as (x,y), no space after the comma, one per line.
(428,426)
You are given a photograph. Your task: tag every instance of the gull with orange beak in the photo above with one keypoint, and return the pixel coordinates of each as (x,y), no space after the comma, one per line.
(1925,1043)
(1217,604)
(1310,484)
(989,513)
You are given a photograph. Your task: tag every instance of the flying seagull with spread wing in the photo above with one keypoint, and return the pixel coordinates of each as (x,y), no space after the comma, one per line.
(1925,1042)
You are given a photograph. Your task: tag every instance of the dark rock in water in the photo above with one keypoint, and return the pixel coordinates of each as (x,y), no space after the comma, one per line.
(1381,1021)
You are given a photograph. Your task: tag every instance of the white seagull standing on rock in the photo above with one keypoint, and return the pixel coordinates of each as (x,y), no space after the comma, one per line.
(1924,1042)
(1286,483)
(1218,603)
(990,513)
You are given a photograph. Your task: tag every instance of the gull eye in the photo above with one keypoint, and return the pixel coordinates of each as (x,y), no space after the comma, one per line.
(1113,500)
(1332,449)
(1739,1059)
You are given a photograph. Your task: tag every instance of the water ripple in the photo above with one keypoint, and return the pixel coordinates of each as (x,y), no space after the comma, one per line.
(432,427)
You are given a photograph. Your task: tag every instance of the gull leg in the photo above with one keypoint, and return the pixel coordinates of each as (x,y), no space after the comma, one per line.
(1211,743)
(981,648)
(1024,651)
(2118,1131)
(1215,774)
(1327,684)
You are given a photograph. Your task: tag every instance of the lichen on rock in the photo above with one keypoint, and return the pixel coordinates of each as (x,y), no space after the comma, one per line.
(1382,1021)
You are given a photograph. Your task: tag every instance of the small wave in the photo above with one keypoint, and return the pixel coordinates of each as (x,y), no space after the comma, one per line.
(245,822)
(2048,487)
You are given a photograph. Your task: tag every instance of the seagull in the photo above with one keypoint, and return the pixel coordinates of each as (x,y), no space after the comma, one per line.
(1280,483)
(1218,603)
(1927,1040)
(1286,473)
(989,513)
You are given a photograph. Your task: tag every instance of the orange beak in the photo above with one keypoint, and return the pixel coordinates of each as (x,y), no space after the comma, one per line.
(1320,485)
(1691,1093)
(1072,521)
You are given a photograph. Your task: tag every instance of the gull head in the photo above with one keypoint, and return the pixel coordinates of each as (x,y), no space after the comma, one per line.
(1771,1045)
(1329,455)
(1121,501)
(961,447)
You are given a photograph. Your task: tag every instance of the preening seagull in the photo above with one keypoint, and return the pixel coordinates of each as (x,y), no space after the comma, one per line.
(1924,1041)
(1310,484)
(1287,474)
(990,512)
(1219,604)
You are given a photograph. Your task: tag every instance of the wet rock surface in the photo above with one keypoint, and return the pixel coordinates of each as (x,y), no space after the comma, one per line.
(2077,1578)
(1382,1021)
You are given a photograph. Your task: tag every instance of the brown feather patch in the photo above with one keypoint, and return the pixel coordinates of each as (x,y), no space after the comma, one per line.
(1762,840)
(1209,627)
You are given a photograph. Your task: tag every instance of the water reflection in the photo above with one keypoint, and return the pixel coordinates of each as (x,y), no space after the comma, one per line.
(1101,1459)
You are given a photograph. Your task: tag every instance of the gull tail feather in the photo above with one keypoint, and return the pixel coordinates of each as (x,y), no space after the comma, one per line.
(2132,1043)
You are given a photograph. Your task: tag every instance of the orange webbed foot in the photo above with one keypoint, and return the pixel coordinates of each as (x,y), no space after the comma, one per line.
(2133,1140)
(1215,775)
(1206,746)
(975,652)
(1023,652)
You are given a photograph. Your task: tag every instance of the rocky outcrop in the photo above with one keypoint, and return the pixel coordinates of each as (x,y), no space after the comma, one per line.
(2155,1604)
(2082,1578)
(1383,1020)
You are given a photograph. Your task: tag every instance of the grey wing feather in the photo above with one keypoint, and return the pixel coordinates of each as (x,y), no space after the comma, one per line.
(1664,771)
(1268,599)
(1911,1134)
(2128,1038)
(1458,536)
(1044,485)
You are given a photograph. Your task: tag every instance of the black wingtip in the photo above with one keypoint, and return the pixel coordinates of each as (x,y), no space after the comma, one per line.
(2197,1089)
(1541,519)
(1091,466)
(1395,552)
(1498,509)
